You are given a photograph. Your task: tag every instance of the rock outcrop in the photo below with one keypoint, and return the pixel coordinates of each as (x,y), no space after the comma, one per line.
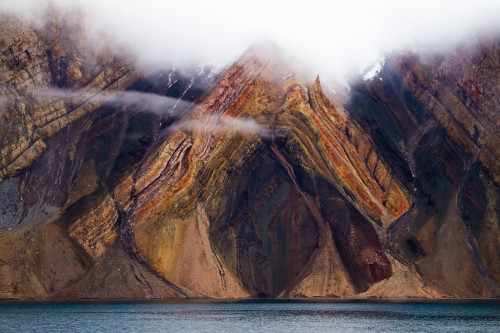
(437,117)
(249,183)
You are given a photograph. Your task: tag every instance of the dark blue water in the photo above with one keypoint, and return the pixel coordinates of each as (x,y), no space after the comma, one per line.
(251,317)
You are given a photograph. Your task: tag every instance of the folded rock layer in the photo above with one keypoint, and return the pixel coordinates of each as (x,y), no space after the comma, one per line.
(117,183)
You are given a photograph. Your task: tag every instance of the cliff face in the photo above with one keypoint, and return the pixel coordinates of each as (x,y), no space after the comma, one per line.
(121,184)
(438,119)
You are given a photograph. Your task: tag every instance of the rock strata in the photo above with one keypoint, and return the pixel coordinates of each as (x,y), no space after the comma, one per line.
(245,184)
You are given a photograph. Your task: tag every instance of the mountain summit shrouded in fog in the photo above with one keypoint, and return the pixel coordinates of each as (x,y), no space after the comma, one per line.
(148,151)
(335,38)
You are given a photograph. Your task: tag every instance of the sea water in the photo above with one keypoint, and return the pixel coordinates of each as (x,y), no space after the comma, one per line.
(251,317)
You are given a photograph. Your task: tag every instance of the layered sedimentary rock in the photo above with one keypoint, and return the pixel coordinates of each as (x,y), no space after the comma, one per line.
(247,190)
(66,111)
(245,184)
(437,117)
(33,66)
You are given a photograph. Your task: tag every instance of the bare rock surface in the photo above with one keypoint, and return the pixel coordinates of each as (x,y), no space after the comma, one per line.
(244,183)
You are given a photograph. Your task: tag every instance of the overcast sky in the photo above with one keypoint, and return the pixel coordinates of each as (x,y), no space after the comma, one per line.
(332,37)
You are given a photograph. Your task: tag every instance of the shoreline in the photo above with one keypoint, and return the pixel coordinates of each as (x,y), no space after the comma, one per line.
(252,300)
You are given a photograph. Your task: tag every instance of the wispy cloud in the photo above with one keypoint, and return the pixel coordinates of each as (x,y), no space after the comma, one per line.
(221,124)
(153,103)
(145,102)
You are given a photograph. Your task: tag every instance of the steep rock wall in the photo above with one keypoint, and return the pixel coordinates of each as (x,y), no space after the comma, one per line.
(260,188)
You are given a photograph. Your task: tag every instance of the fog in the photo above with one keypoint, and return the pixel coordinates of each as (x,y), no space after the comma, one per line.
(157,104)
(221,123)
(146,102)
(333,38)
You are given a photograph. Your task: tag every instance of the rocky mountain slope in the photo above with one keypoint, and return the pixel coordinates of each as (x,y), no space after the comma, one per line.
(116,183)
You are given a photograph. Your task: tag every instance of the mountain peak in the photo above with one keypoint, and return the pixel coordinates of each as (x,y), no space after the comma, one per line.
(120,184)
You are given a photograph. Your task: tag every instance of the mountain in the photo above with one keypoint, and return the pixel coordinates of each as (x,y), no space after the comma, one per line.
(119,183)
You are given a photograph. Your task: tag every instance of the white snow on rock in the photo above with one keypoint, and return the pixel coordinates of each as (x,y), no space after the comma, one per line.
(374,70)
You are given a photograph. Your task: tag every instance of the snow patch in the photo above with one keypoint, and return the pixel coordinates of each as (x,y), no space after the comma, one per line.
(374,70)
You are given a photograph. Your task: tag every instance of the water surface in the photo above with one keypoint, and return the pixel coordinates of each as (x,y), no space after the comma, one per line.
(251,317)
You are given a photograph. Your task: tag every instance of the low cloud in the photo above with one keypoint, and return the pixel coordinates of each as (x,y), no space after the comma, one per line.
(146,102)
(153,103)
(221,124)
(334,38)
